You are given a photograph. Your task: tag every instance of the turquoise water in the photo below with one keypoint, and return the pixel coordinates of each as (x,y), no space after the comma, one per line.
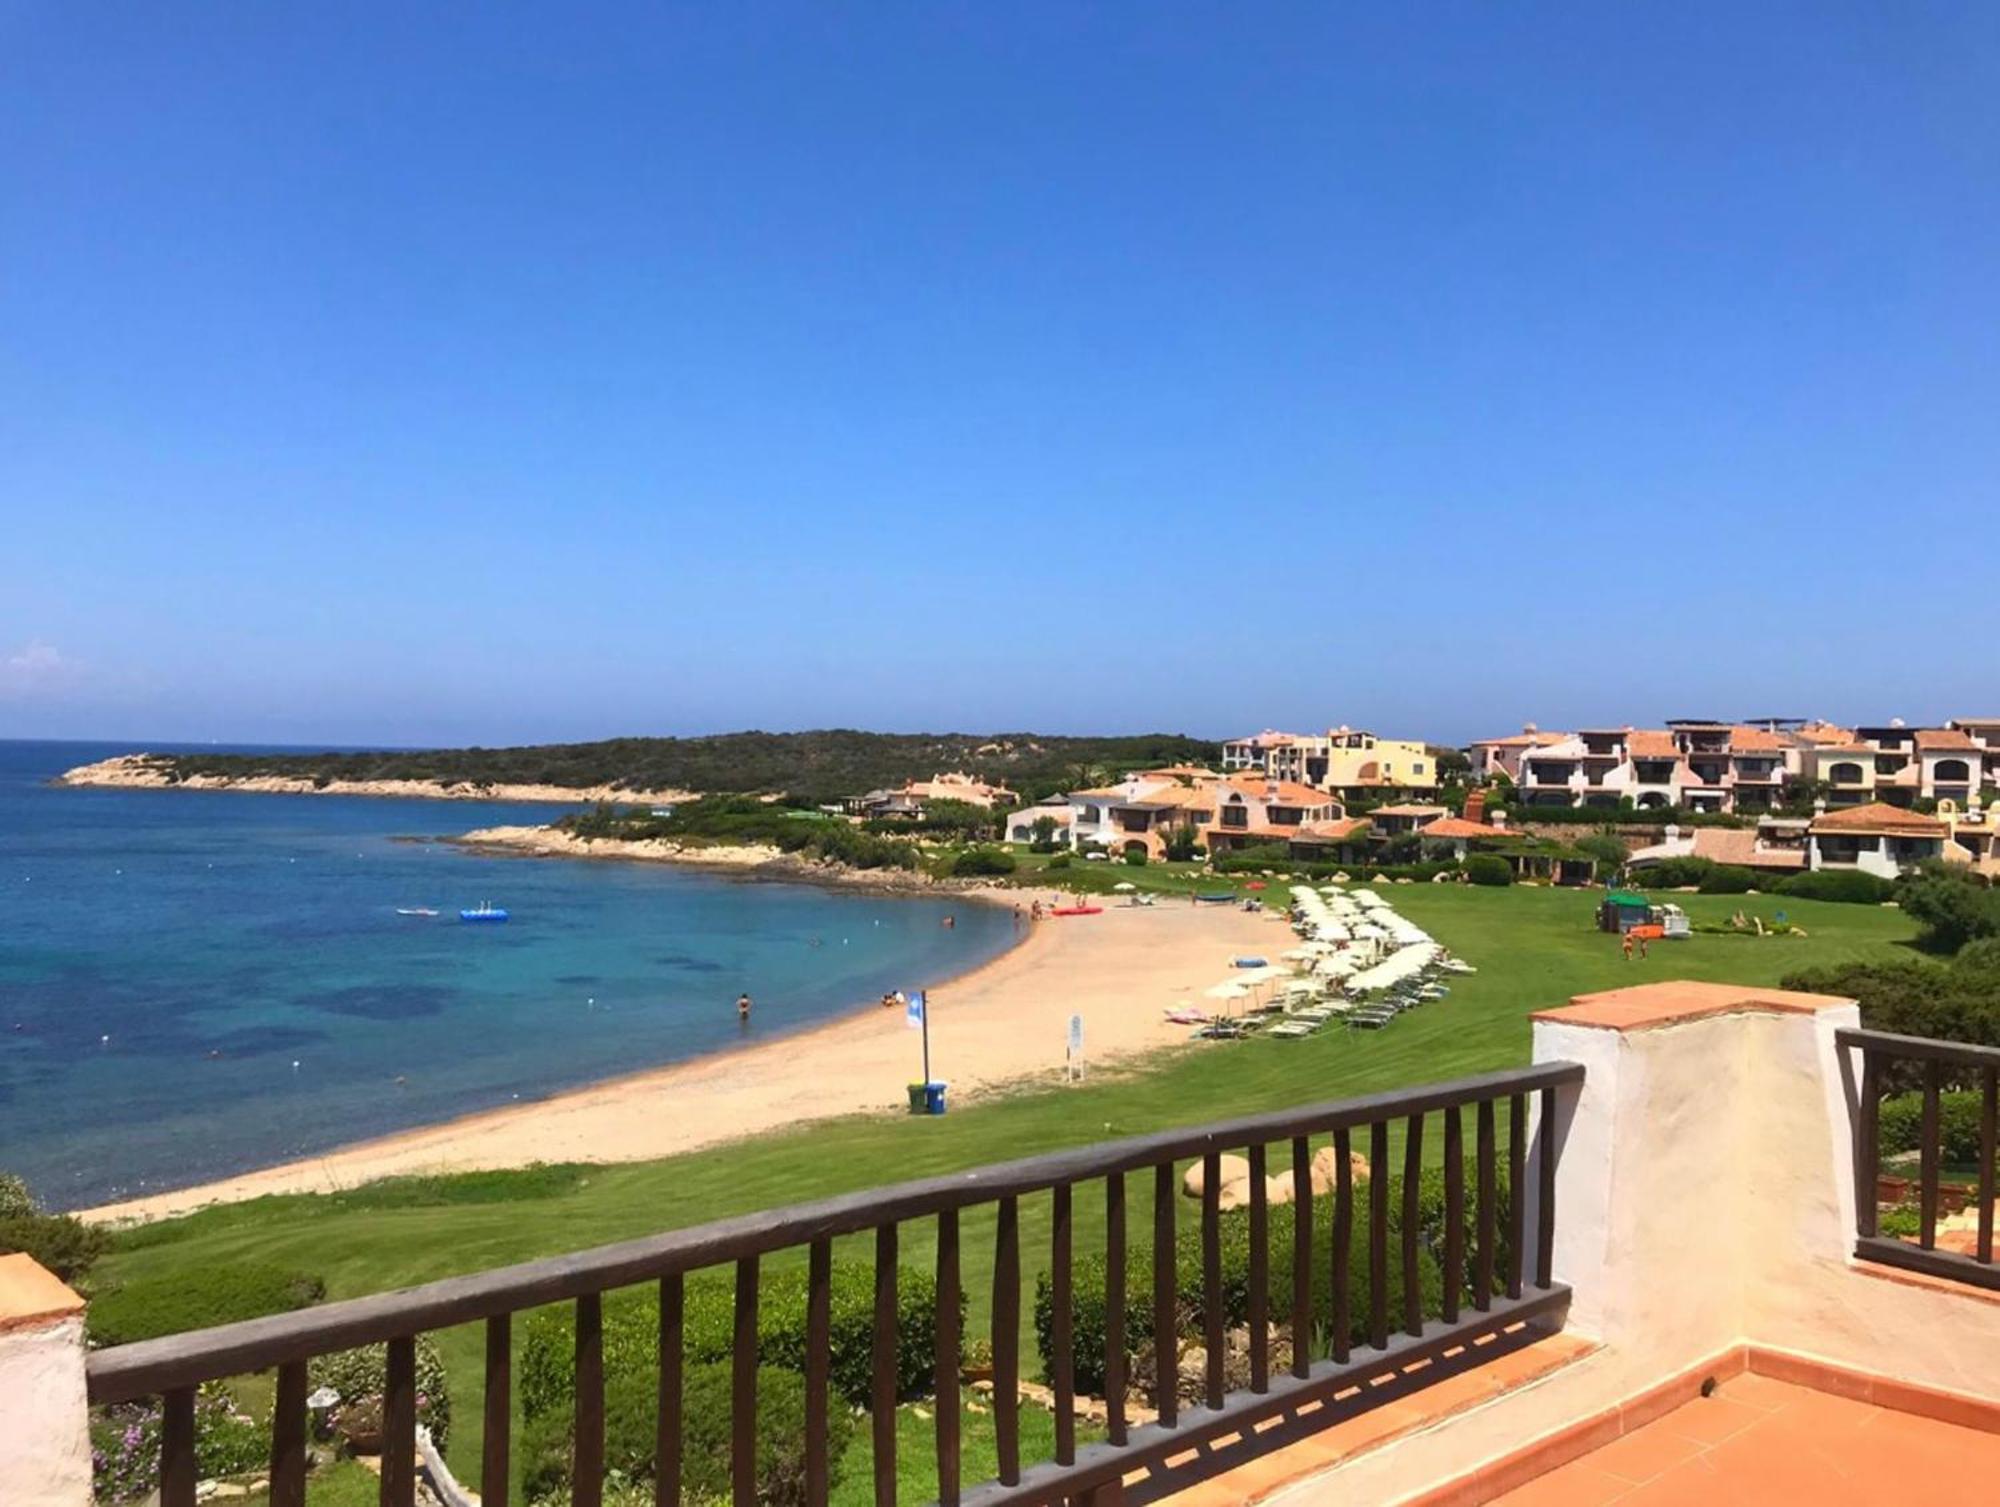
(262,1000)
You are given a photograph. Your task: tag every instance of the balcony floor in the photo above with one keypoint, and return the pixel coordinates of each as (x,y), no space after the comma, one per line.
(1765,1441)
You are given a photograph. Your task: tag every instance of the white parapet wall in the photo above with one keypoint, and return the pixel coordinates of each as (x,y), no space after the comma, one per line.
(44,1420)
(1704,1204)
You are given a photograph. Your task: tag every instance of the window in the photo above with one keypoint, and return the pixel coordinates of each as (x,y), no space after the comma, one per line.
(1418,767)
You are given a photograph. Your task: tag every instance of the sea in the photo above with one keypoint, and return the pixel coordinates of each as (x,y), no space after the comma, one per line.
(198,983)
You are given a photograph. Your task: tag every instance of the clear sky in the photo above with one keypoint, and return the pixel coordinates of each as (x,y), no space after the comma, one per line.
(493,372)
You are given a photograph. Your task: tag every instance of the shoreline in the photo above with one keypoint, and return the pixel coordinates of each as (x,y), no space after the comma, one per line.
(149,772)
(1120,970)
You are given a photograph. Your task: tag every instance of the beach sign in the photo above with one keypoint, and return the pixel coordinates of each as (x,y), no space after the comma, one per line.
(1073,1057)
(913,1010)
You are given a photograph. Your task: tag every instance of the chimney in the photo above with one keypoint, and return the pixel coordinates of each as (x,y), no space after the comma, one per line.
(1475,806)
(1499,822)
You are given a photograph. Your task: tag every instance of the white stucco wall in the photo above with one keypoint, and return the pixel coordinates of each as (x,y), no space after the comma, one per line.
(44,1432)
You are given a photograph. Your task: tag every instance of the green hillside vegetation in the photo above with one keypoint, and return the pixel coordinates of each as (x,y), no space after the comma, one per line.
(816,766)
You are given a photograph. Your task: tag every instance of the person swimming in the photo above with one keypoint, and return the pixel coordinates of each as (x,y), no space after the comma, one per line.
(743,1007)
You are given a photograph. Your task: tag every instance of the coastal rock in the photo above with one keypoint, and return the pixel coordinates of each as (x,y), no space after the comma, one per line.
(1234,1169)
(147,772)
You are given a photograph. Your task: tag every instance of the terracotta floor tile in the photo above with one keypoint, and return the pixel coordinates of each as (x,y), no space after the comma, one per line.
(1574,1485)
(1924,1440)
(1710,1420)
(1645,1453)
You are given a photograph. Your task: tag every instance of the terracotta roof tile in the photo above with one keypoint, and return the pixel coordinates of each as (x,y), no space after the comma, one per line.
(1941,739)
(1756,740)
(1453,827)
(1877,818)
(1646,743)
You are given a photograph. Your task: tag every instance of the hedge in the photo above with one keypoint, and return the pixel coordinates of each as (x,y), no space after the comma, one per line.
(197,1299)
(974,862)
(1901,1119)
(15,1199)
(1849,886)
(1727,879)
(1088,1284)
(1489,869)
(65,1245)
(630,1433)
(632,1331)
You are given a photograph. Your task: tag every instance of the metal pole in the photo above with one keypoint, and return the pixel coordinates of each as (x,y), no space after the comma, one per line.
(927,1040)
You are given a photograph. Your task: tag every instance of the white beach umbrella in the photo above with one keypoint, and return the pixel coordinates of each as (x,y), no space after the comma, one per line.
(1227,989)
(1124,889)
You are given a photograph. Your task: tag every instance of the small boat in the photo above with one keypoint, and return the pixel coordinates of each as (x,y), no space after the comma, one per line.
(415,910)
(1215,897)
(486,910)
(1251,960)
(1077,910)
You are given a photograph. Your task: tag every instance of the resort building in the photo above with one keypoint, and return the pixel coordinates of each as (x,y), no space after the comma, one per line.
(1351,762)
(1023,825)
(1699,765)
(1407,816)
(912,796)
(1777,846)
(1875,838)
(1985,735)
(1142,813)
(1901,765)
(1493,758)
(1248,812)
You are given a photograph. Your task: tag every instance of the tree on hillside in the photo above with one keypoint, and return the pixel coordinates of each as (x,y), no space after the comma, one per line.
(1954,906)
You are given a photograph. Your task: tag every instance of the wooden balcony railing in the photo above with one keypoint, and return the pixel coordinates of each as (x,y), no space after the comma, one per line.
(1493,1285)
(1933,1066)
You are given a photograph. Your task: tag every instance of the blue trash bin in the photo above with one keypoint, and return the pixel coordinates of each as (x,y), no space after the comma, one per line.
(934,1098)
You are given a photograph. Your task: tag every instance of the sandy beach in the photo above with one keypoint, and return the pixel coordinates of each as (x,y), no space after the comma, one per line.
(1001,1025)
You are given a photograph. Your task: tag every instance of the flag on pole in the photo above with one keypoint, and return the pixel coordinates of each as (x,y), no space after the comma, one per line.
(913,1010)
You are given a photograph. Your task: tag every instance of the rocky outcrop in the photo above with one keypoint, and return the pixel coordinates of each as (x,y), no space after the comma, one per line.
(151,772)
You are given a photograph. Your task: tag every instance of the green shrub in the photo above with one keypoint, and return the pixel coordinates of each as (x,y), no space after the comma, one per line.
(1488,869)
(358,1376)
(1901,1120)
(1088,1290)
(15,1199)
(1954,906)
(1847,886)
(68,1247)
(1061,861)
(630,1399)
(975,862)
(198,1298)
(1674,873)
(1903,1222)
(632,1331)
(1136,857)
(1727,879)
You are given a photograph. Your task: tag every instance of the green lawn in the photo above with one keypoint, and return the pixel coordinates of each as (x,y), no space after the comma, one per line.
(1534,948)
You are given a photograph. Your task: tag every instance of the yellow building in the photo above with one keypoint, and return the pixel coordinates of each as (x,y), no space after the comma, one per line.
(1354,763)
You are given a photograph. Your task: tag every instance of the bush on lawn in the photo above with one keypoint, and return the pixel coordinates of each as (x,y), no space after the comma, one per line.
(1674,873)
(15,1199)
(1727,879)
(359,1376)
(125,1444)
(1136,857)
(1488,869)
(1847,886)
(632,1330)
(198,1298)
(630,1422)
(977,862)
(1088,1293)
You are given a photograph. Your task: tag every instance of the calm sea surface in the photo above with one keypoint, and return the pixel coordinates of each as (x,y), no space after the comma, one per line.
(196,983)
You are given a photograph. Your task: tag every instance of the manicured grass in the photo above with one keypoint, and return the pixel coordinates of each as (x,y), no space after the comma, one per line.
(1534,948)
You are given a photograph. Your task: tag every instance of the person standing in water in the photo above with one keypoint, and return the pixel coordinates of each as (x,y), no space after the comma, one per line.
(743,1008)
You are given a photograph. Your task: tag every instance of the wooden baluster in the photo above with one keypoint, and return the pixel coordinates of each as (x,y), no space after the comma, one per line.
(494,1450)
(945,1376)
(1868,1147)
(1343,1242)
(587,1471)
(819,1360)
(1211,1276)
(1545,1232)
(1062,1333)
(743,1388)
(288,1438)
(1413,1168)
(1454,1212)
(1114,1307)
(1302,1250)
(1166,1335)
(399,1425)
(177,1467)
(1007,1342)
(1260,1273)
(667,1417)
(1378,1234)
(1989,1133)
(882,1366)
(1488,1154)
(1928,1156)
(1517,1202)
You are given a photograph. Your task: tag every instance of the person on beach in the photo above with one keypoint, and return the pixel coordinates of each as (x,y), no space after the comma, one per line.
(1642,949)
(743,1007)
(1626,943)
(950,922)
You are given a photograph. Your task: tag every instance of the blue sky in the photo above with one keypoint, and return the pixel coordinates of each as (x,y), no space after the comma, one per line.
(493,372)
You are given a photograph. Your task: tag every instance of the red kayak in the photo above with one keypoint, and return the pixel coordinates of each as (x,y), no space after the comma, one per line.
(1077,910)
